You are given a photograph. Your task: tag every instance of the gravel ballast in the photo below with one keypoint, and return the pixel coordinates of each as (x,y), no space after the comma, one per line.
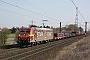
(76,51)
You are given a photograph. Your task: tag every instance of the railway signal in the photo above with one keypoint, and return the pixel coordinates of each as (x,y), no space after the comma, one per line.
(60,27)
(86,28)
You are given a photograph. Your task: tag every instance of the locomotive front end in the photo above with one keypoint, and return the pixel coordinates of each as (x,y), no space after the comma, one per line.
(23,36)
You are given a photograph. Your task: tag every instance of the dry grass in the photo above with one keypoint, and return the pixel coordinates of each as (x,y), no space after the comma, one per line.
(77,51)
(10,41)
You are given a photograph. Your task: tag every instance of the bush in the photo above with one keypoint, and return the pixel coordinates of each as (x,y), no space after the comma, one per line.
(3,37)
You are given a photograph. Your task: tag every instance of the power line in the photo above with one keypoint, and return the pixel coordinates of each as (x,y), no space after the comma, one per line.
(73,3)
(17,13)
(32,5)
(37,7)
(24,9)
(78,10)
(12,12)
(20,7)
(81,15)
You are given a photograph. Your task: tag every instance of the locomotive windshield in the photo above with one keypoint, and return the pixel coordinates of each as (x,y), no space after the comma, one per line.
(27,31)
(55,34)
(24,31)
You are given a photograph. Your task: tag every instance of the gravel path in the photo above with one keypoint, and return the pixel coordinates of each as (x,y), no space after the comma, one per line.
(77,51)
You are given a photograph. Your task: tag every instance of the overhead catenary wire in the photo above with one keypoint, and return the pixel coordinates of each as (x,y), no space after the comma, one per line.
(33,5)
(25,9)
(20,7)
(81,15)
(78,10)
(38,8)
(17,13)
(74,3)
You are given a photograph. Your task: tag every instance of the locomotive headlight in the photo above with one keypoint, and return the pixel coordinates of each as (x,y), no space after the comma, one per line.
(19,35)
(28,35)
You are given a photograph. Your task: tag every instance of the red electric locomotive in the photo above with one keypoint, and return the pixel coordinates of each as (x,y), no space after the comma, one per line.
(34,35)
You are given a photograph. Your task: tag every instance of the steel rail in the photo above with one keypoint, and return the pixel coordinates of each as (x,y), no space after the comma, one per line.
(32,51)
(27,52)
(42,50)
(21,54)
(8,51)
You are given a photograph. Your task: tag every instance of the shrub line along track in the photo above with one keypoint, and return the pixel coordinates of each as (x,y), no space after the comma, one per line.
(27,54)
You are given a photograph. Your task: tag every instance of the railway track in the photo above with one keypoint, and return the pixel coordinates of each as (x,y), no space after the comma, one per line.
(25,53)
(3,51)
(8,48)
(11,52)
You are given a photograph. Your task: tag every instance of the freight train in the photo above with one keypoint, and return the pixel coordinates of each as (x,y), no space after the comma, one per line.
(34,35)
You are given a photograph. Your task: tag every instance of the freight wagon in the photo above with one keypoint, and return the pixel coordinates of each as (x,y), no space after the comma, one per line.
(58,36)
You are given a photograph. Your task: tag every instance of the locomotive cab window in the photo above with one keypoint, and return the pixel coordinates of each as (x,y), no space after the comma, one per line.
(24,31)
(27,31)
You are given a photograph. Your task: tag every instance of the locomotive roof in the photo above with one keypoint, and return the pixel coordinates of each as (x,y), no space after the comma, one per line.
(36,28)
(43,29)
(24,28)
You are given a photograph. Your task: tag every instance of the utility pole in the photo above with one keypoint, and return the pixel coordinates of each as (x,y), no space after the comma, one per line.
(44,22)
(85,28)
(32,22)
(60,27)
(76,19)
(80,27)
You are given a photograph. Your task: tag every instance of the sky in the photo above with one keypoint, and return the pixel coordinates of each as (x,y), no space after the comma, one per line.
(18,13)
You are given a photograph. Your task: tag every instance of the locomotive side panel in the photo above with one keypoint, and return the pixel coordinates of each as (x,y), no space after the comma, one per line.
(41,34)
